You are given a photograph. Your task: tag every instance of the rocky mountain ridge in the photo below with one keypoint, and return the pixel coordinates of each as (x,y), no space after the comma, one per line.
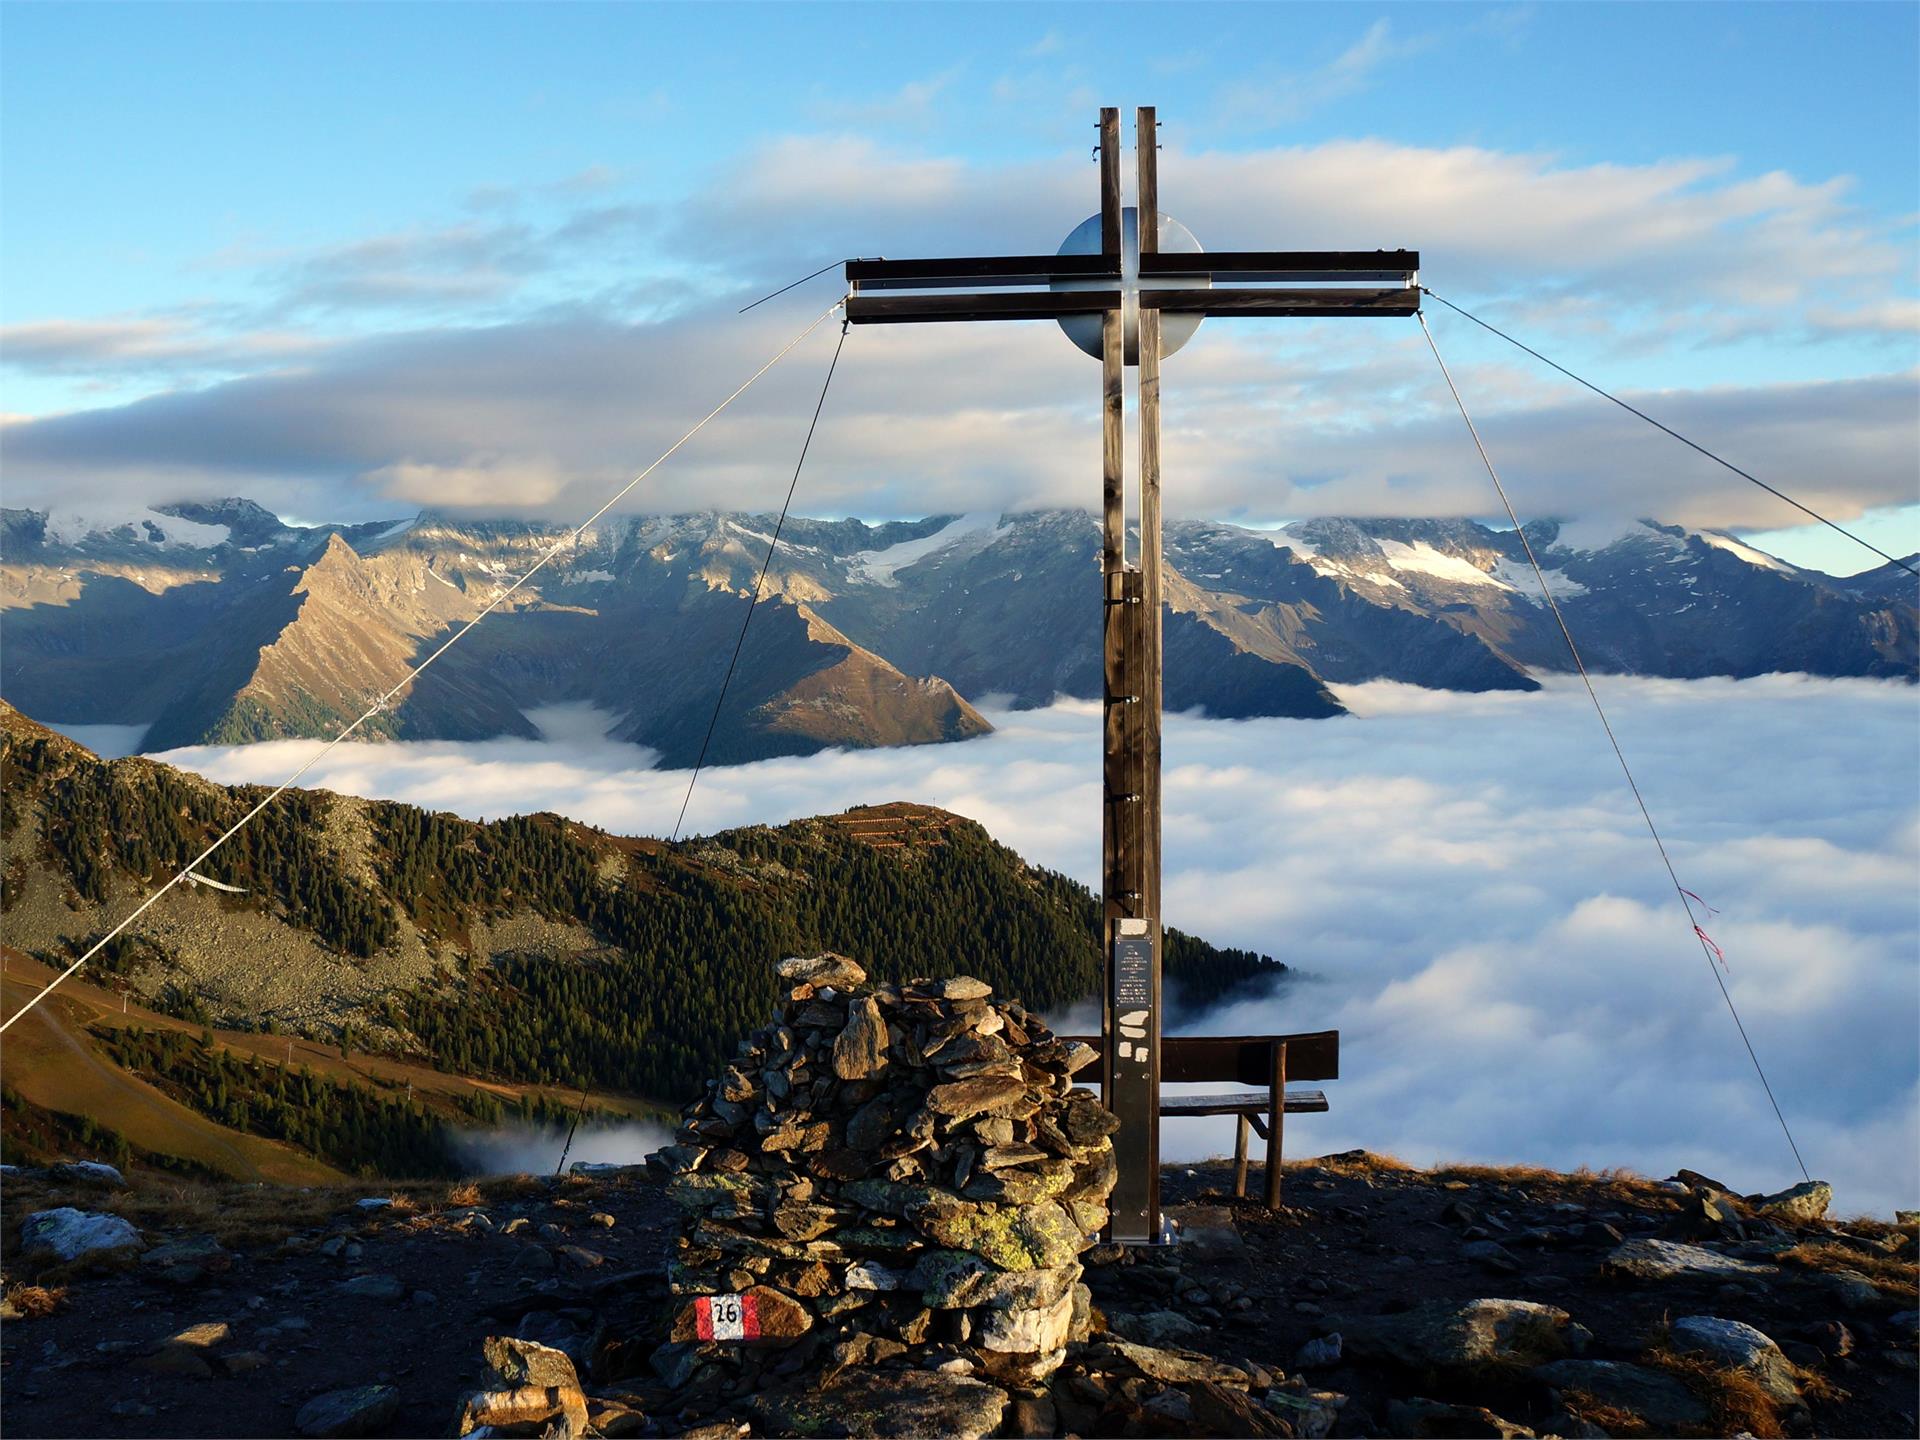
(215,622)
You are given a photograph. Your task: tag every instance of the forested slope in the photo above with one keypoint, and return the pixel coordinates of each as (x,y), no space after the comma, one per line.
(532,948)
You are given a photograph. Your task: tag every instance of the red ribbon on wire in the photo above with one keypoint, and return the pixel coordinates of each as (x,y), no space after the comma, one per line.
(1718,953)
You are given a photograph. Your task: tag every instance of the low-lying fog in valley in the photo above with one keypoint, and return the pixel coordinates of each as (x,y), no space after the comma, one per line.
(1464,882)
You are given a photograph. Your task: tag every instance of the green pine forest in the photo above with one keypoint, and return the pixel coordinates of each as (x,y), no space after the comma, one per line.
(678,939)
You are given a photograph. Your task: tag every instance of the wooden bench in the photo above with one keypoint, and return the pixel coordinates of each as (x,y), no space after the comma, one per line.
(1267,1061)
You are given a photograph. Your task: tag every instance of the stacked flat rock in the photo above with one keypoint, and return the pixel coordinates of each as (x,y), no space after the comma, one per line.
(887,1169)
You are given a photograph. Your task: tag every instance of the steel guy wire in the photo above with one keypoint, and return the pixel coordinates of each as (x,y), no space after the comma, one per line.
(1668,429)
(1680,891)
(567,540)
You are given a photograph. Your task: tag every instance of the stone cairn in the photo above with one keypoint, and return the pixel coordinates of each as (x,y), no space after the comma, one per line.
(886,1168)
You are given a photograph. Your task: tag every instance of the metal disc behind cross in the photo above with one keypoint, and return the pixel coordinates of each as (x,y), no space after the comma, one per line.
(1175,239)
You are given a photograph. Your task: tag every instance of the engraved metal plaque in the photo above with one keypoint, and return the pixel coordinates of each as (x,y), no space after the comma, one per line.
(1133,1094)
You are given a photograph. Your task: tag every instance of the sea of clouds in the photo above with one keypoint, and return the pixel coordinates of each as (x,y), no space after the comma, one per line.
(1464,883)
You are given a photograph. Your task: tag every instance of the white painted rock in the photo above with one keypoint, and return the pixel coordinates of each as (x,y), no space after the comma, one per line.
(68,1234)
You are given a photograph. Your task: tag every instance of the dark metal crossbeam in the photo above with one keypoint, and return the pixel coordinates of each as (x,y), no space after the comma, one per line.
(991,305)
(1308,266)
(1398,301)
(952,272)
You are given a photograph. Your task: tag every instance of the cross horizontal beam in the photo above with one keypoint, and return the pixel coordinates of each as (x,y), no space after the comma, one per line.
(1309,266)
(954,272)
(992,305)
(1054,304)
(1401,300)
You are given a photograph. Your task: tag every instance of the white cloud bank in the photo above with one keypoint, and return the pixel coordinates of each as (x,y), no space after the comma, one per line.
(1468,882)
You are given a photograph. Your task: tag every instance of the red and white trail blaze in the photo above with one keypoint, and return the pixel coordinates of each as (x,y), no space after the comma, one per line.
(727,1317)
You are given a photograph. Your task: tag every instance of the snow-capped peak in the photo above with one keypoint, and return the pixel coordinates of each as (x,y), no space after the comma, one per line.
(76,524)
(878,567)
(1720,540)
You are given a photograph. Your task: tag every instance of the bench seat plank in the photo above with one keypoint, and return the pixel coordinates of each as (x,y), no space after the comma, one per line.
(1247,1102)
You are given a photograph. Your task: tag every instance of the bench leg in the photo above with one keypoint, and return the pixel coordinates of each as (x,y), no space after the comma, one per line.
(1240,1158)
(1276,1118)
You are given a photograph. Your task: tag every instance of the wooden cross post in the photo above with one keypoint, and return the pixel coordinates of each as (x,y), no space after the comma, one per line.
(1127,289)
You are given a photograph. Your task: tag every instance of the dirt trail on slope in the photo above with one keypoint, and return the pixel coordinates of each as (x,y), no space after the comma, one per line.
(48,1061)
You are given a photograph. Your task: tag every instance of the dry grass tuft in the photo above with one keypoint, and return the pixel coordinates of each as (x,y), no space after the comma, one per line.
(1814,1385)
(511,1187)
(1596,1412)
(1888,1274)
(1738,1403)
(1619,1185)
(36,1302)
(464,1194)
(1355,1162)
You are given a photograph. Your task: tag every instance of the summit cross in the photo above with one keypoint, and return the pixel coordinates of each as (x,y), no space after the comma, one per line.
(1132,294)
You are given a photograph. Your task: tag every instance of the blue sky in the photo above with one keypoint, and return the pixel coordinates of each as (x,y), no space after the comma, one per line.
(234,235)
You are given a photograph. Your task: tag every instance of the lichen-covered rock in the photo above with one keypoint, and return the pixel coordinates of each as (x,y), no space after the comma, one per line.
(1032,1237)
(1174,1367)
(519,1362)
(1805,1202)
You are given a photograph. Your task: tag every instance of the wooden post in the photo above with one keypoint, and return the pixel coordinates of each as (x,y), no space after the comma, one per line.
(1240,1157)
(1147,628)
(1146,145)
(1276,1120)
(1110,239)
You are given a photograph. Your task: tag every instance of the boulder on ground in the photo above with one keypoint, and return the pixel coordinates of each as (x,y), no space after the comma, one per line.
(1441,1335)
(1738,1346)
(871,1404)
(1660,1400)
(1671,1260)
(88,1172)
(68,1235)
(1805,1202)
(360,1410)
(1418,1418)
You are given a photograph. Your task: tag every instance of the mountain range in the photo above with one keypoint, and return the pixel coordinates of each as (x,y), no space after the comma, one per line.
(216,622)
